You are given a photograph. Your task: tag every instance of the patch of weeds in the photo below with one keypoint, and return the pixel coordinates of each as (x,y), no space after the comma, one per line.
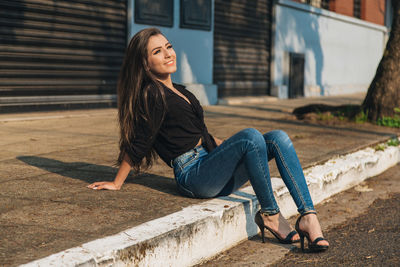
(393,142)
(380,147)
(324,112)
(361,117)
(325,116)
(345,112)
(393,122)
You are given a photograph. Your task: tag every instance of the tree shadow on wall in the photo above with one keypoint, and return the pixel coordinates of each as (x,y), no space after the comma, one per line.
(298,31)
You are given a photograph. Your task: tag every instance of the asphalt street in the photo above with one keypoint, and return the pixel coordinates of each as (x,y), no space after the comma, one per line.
(361,224)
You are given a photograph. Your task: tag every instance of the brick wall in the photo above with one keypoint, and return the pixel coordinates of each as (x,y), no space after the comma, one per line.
(373,11)
(344,7)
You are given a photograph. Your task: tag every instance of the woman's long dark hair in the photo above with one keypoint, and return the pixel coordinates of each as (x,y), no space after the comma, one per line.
(134,82)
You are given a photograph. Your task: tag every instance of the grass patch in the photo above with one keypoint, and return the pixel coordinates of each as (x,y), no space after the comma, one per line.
(393,122)
(326,112)
(324,116)
(349,113)
(361,117)
(391,142)
(380,147)
(389,122)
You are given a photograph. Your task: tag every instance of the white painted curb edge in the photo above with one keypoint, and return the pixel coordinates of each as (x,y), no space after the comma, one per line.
(201,231)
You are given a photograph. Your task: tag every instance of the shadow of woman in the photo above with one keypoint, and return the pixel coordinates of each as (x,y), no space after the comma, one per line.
(91,173)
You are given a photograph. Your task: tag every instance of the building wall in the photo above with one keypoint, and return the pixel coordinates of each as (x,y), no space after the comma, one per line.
(373,11)
(60,54)
(242,45)
(194,50)
(341,53)
(344,7)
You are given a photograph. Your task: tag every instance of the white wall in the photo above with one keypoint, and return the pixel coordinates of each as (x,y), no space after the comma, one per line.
(194,51)
(341,53)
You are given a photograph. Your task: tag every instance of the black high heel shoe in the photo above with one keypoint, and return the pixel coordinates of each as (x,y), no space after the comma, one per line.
(312,246)
(260,222)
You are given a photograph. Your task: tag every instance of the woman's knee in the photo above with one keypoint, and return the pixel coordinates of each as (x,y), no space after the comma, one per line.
(253,136)
(277,136)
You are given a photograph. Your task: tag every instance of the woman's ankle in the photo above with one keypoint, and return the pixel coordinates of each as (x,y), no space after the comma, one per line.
(310,224)
(270,218)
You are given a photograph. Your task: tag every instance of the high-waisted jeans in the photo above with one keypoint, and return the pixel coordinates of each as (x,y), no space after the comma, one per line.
(243,157)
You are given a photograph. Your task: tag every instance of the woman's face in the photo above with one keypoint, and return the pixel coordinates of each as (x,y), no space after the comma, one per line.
(161,57)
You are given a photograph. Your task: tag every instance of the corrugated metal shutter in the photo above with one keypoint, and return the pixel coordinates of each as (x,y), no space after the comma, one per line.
(55,49)
(242,41)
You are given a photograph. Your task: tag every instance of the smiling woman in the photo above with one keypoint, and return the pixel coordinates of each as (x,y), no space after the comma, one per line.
(161,58)
(157,116)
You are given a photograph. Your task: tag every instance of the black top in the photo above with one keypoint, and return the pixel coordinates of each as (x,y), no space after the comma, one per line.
(178,132)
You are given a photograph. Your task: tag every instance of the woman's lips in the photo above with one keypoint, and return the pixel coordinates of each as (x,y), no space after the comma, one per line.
(170,63)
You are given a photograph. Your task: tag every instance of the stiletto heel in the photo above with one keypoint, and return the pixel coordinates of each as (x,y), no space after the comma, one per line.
(312,245)
(262,233)
(260,223)
(302,242)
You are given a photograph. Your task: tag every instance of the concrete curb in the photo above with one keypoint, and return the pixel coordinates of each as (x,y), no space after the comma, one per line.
(201,231)
(236,100)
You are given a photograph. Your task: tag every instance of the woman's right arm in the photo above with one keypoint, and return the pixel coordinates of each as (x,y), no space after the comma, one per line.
(120,178)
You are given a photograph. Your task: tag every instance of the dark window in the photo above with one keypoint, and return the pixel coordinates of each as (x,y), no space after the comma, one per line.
(318,3)
(296,75)
(357,9)
(155,12)
(196,14)
(325,4)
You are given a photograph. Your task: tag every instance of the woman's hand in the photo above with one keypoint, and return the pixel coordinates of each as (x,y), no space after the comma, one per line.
(123,172)
(104,185)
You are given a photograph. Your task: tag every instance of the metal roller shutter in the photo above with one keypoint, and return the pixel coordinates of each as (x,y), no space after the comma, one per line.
(242,41)
(60,50)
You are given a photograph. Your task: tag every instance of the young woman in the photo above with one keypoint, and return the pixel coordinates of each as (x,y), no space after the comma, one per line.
(158,116)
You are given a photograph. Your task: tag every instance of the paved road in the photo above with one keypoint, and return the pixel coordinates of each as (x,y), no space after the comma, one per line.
(48,158)
(362,225)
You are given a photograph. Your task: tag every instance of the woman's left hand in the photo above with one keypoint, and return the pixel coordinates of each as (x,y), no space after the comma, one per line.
(104,185)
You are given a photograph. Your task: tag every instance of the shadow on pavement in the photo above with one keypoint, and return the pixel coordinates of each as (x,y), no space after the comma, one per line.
(349,110)
(91,173)
(259,108)
(304,124)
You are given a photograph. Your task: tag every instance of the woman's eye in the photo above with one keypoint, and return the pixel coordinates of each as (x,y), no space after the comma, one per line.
(156,52)
(169,46)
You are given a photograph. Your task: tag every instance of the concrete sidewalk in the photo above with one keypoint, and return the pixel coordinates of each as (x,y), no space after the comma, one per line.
(48,158)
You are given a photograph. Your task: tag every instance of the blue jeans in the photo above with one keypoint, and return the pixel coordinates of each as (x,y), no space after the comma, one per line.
(243,157)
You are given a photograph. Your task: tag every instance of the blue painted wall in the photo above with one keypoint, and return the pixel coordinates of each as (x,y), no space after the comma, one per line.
(341,53)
